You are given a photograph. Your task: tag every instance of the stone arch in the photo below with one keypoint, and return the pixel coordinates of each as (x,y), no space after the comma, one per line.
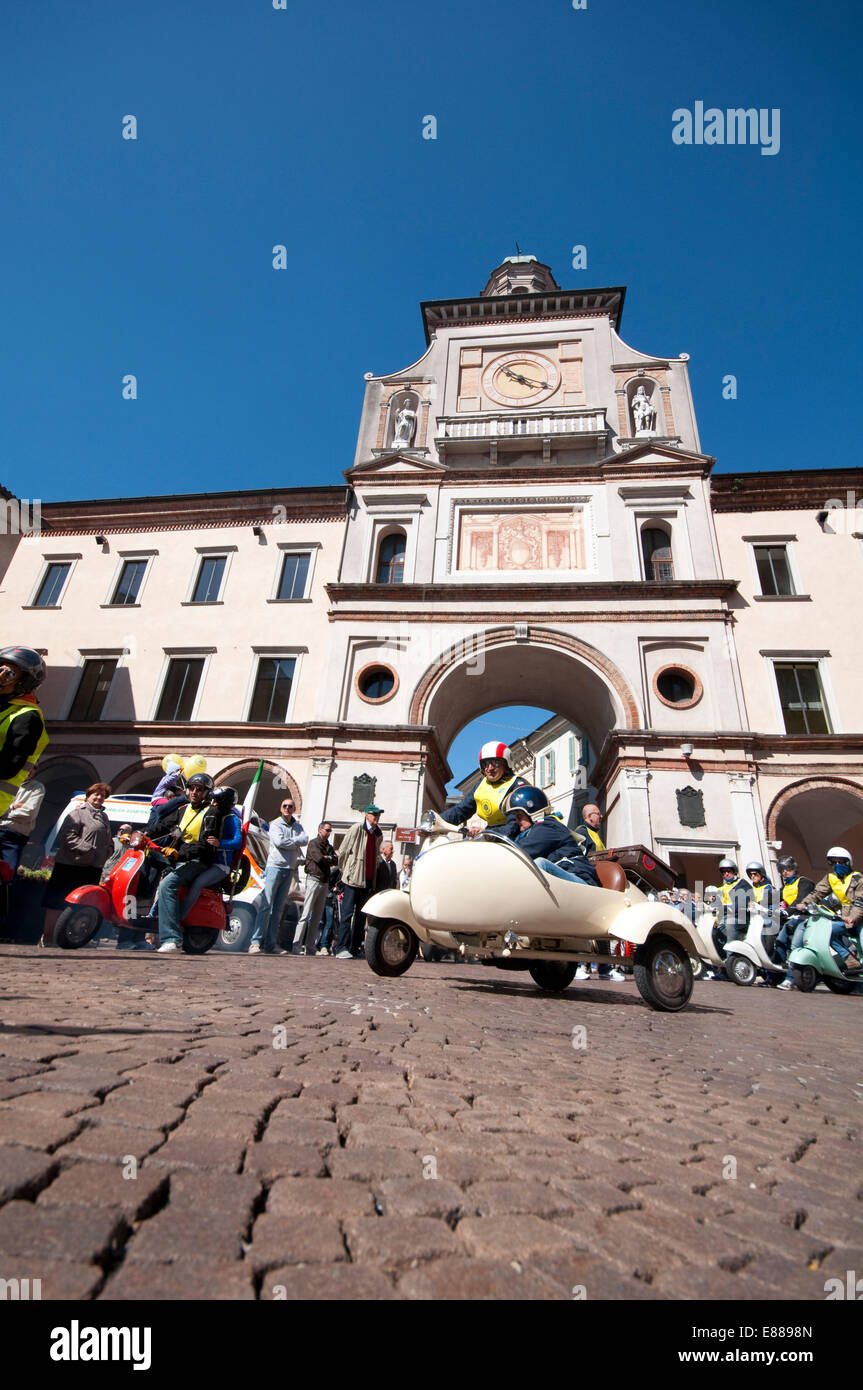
(61,776)
(276,784)
(812,814)
(564,673)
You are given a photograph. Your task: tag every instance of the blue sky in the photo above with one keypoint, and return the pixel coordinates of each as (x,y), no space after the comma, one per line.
(303,127)
(259,126)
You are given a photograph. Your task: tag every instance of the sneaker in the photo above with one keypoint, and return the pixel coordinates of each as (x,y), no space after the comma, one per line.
(582,973)
(323,951)
(254,949)
(344,955)
(786,984)
(168,946)
(617,975)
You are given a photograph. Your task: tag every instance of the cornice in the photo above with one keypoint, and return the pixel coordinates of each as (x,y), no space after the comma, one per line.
(626,590)
(783,491)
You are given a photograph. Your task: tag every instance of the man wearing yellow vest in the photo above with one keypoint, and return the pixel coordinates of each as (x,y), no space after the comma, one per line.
(193,845)
(489,800)
(795,887)
(847,885)
(23,739)
(589,828)
(764,902)
(732,905)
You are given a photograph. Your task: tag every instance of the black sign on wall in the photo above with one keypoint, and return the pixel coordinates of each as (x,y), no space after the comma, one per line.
(690,807)
(364,791)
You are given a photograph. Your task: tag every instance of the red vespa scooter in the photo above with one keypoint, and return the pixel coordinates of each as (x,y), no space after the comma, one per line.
(115,901)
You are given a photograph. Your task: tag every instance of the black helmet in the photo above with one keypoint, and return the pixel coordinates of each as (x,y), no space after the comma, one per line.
(787,864)
(29,663)
(224,798)
(531,800)
(201,779)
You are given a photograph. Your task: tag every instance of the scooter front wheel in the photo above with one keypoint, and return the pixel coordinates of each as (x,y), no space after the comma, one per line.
(197,940)
(740,970)
(839,986)
(390,947)
(805,978)
(76,926)
(663,974)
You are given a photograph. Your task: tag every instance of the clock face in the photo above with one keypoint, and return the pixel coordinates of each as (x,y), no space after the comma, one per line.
(520,378)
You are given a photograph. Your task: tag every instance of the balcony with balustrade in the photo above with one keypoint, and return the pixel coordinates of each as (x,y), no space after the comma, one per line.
(546,431)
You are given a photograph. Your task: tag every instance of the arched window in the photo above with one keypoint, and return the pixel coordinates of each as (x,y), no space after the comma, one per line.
(656,550)
(391,559)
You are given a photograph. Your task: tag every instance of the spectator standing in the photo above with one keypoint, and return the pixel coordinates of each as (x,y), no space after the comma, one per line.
(287,838)
(358,862)
(387,875)
(321,859)
(405,875)
(83,844)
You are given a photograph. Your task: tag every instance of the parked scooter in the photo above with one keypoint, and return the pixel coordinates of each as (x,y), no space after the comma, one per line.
(116,901)
(711,942)
(747,958)
(814,960)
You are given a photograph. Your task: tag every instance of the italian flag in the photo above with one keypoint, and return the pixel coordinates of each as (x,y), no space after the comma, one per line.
(249,803)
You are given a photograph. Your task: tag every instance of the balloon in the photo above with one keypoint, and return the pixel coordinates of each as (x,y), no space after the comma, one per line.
(194,764)
(176,759)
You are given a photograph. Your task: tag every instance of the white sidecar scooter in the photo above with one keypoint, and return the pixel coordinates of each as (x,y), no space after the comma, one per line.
(485,898)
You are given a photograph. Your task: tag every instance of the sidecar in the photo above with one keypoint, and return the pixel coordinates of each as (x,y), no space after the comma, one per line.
(485,898)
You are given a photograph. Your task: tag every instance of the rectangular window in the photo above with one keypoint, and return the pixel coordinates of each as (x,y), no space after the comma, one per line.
(573,755)
(52,585)
(804,708)
(774,573)
(93,689)
(181,687)
(546,769)
(210,578)
(295,573)
(272,690)
(129,583)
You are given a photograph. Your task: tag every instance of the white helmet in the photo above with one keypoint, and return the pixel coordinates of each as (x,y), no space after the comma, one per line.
(494,750)
(837,852)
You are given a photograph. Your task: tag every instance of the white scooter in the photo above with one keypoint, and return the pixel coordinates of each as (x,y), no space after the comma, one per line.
(746,959)
(709,958)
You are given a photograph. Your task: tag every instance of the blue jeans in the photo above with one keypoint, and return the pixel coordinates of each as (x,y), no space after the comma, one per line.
(171,912)
(836,942)
(796,927)
(277,883)
(330,909)
(587,876)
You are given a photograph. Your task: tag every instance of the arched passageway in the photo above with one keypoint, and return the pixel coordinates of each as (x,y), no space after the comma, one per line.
(810,816)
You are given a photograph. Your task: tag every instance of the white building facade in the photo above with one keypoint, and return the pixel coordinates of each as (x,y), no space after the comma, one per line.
(529,519)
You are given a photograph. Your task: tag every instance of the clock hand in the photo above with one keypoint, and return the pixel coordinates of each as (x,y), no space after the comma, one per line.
(525,381)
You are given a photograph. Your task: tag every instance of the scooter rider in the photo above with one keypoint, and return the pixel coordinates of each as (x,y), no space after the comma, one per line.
(847,885)
(795,887)
(488,800)
(733,902)
(23,738)
(195,847)
(764,900)
(553,848)
(227,826)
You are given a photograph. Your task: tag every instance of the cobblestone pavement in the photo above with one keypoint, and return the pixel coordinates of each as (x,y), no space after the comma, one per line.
(302,1129)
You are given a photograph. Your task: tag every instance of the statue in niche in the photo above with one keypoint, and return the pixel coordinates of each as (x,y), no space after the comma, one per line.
(406,423)
(643,412)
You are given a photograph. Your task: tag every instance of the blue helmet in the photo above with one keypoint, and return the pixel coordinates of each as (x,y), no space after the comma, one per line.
(531,800)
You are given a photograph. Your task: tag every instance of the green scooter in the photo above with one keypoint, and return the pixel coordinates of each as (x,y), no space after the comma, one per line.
(814,961)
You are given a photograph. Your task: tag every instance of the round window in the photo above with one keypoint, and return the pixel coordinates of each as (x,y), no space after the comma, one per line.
(676,686)
(376,682)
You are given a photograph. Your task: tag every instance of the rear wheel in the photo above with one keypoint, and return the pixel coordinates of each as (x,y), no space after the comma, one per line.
(697,966)
(197,940)
(805,978)
(390,948)
(663,974)
(553,974)
(76,926)
(240,928)
(839,986)
(740,970)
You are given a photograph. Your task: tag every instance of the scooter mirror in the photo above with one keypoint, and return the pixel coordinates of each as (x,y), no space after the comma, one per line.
(136,839)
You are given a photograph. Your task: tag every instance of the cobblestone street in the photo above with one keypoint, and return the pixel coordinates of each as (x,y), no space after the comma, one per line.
(236,1127)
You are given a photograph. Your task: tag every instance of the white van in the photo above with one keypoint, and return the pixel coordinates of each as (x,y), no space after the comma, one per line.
(135,809)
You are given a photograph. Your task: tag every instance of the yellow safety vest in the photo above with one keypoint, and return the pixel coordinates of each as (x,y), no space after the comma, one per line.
(790,891)
(10,786)
(190,830)
(488,799)
(758,891)
(726,890)
(837,883)
(596,838)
